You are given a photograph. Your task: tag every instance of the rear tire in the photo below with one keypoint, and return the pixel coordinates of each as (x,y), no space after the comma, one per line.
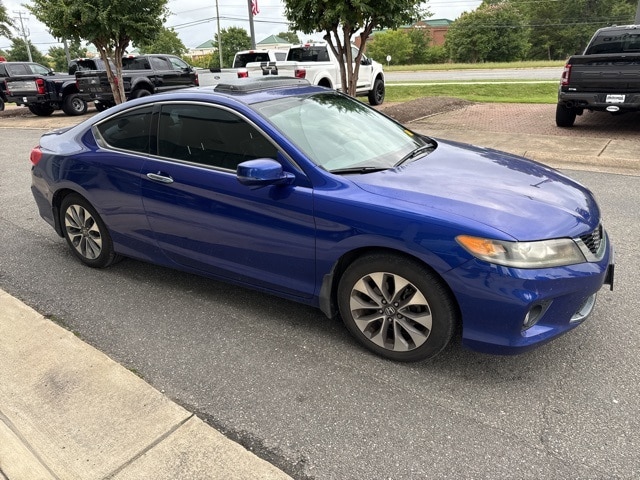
(86,233)
(1,104)
(141,92)
(41,109)
(74,105)
(565,117)
(397,307)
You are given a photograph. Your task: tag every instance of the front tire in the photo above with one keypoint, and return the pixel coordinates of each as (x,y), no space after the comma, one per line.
(376,94)
(86,233)
(396,307)
(74,105)
(565,117)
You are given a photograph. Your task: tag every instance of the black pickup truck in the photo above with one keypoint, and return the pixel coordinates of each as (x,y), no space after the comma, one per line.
(605,78)
(40,89)
(141,75)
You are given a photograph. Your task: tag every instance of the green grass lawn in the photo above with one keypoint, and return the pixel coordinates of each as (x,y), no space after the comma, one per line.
(473,66)
(494,92)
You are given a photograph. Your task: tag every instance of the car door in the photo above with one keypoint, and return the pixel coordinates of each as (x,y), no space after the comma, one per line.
(164,76)
(365,71)
(203,218)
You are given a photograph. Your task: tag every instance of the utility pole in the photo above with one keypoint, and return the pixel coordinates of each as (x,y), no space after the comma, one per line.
(219,35)
(253,34)
(638,14)
(25,35)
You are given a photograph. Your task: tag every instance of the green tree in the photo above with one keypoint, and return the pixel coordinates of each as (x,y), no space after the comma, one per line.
(420,40)
(234,39)
(560,29)
(5,23)
(110,25)
(18,52)
(493,32)
(339,20)
(391,42)
(166,42)
(291,37)
(59,56)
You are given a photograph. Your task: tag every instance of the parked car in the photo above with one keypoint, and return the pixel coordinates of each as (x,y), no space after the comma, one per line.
(605,78)
(142,75)
(40,89)
(309,194)
(240,60)
(317,63)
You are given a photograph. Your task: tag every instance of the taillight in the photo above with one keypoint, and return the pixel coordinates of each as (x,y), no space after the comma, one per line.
(36,155)
(300,73)
(196,80)
(40,86)
(243,73)
(566,75)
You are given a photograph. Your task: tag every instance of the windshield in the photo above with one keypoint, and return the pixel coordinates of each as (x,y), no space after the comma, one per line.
(338,132)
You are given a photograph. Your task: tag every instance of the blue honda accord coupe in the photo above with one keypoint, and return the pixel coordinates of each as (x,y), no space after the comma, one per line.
(311,195)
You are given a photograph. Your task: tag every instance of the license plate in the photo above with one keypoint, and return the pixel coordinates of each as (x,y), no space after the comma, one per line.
(615,98)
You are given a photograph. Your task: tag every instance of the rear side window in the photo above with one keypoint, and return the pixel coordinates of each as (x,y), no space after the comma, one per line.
(209,136)
(129,131)
(18,70)
(135,64)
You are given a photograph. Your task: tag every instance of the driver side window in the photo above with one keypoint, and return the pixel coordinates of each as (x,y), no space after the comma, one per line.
(209,136)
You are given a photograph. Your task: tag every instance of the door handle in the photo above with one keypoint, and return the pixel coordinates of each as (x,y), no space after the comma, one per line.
(159,177)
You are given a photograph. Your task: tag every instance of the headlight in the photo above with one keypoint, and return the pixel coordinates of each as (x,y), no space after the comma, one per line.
(541,254)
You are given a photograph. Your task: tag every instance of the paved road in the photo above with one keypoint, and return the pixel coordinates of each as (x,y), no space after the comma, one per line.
(294,387)
(514,74)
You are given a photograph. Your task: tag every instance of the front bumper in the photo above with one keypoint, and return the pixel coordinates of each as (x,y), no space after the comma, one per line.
(495,302)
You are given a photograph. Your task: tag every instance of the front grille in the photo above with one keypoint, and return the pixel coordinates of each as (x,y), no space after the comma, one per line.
(593,240)
(593,245)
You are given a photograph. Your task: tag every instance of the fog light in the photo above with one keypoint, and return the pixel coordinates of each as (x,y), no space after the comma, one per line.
(534,314)
(585,309)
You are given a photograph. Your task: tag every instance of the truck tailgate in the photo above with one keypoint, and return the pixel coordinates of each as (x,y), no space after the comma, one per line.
(19,87)
(612,73)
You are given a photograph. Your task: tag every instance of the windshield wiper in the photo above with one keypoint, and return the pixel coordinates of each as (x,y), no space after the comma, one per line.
(416,152)
(358,170)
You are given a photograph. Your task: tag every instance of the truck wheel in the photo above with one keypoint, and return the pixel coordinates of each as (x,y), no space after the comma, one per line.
(565,117)
(42,110)
(139,93)
(376,94)
(1,104)
(74,105)
(101,106)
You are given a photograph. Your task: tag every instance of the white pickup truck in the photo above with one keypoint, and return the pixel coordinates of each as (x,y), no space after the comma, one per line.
(317,63)
(241,59)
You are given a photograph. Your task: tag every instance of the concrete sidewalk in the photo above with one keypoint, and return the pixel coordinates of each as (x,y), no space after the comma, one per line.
(67,412)
(597,142)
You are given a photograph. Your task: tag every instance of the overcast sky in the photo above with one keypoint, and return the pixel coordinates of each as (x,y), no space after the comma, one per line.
(195,20)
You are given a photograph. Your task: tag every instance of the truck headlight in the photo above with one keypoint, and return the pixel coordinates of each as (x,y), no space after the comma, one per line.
(540,254)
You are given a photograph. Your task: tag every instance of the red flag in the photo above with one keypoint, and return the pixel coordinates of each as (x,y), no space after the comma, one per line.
(254,7)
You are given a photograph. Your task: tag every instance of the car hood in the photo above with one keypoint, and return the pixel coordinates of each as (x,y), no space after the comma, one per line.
(519,197)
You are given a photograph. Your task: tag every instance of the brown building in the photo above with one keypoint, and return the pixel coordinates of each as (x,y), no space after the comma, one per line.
(436,28)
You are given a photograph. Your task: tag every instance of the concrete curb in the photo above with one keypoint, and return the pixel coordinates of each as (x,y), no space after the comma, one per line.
(67,411)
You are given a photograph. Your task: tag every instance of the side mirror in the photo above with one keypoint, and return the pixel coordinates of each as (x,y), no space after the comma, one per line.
(262,172)
(365,61)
